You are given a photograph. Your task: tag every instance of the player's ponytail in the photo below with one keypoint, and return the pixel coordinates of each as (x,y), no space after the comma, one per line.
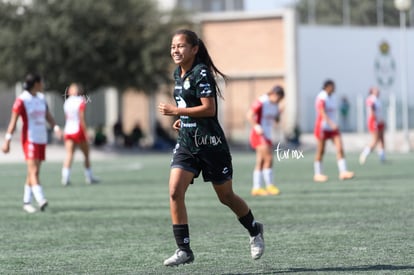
(202,54)
(30,80)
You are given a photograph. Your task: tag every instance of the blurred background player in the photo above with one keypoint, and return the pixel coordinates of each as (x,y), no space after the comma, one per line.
(376,126)
(263,113)
(76,132)
(32,107)
(326,127)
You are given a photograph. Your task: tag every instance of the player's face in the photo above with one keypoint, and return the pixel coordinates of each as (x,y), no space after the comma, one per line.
(274,98)
(73,90)
(38,87)
(330,89)
(182,52)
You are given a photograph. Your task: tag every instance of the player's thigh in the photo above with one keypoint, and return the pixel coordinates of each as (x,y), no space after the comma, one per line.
(264,150)
(70,146)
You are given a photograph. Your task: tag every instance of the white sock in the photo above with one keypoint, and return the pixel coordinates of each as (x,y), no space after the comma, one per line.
(38,193)
(381,154)
(88,173)
(366,151)
(257,179)
(317,167)
(65,174)
(27,195)
(342,165)
(268,176)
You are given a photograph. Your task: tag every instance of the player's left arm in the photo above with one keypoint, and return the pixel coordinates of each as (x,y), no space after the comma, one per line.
(82,117)
(325,116)
(281,109)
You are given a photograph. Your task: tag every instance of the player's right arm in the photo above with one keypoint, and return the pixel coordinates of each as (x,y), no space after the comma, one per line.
(10,131)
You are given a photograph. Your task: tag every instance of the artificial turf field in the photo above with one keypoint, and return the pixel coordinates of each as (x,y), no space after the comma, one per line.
(122,226)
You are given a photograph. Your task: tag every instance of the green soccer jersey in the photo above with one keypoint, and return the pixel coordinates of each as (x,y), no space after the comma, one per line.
(202,133)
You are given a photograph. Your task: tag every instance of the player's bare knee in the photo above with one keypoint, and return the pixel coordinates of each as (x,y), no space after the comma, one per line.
(226,198)
(176,195)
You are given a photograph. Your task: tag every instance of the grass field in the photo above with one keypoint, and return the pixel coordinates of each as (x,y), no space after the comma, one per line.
(122,226)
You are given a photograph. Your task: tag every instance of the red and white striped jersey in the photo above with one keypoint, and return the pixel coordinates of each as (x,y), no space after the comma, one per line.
(328,103)
(32,109)
(265,113)
(374,107)
(73,105)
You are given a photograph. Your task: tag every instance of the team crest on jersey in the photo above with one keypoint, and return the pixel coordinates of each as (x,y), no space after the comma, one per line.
(187,84)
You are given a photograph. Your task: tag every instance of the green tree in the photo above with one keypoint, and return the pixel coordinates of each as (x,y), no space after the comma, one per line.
(99,43)
(361,13)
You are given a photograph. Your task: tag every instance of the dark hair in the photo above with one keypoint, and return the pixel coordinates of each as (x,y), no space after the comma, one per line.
(202,54)
(328,83)
(278,90)
(30,80)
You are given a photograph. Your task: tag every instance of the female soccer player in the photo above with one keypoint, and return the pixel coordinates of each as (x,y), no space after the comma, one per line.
(31,106)
(201,144)
(326,127)
(376,126)
(261,115)
(76,133)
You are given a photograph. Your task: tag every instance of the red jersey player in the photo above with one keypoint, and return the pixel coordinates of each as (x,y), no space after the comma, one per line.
(376,126)
(326,127)
(76,133)
(31,106)
(263,113)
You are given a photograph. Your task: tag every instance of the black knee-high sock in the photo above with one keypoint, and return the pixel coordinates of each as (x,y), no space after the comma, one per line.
(249,223)
(182,236)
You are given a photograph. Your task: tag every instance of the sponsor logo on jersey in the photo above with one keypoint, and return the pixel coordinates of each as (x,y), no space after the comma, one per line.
(188,125)
(187,84)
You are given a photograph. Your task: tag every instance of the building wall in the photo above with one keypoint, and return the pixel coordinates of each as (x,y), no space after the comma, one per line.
(349,55)
(246,47)
(255,51)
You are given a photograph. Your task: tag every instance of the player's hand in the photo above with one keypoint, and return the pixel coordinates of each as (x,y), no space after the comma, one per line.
(177,125)
(6,147)
(168,109)
(258,129)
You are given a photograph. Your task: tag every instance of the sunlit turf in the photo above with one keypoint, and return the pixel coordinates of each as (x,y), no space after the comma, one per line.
(122,225)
